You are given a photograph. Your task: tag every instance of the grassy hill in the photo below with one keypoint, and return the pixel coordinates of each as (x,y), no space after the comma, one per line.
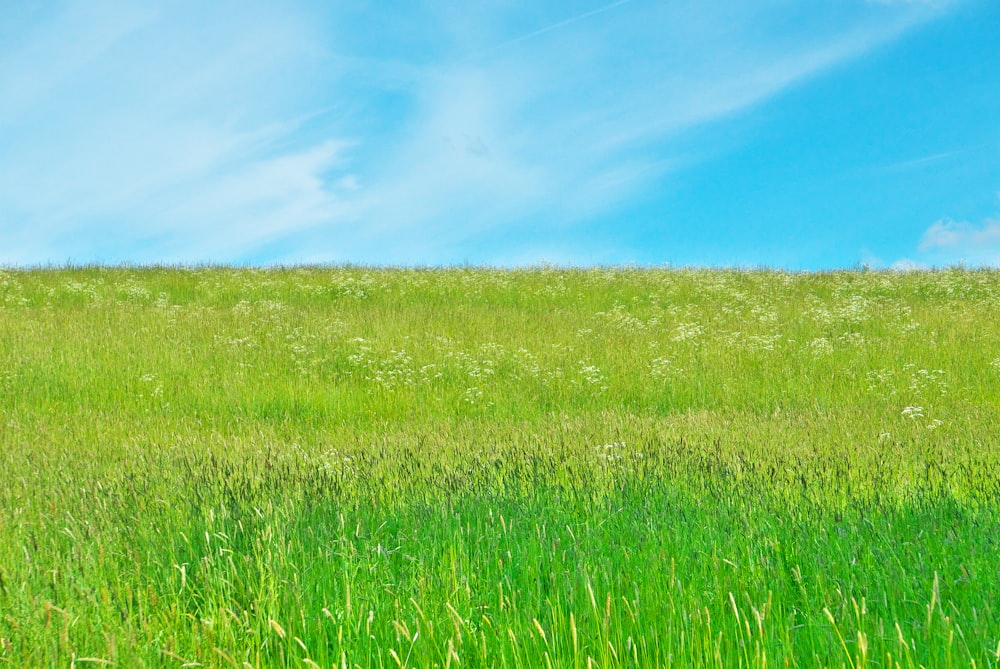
(485,468)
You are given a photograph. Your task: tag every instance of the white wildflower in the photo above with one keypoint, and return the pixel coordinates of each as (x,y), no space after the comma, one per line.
(590,373)
(472,395)
(820,346)
(661,368)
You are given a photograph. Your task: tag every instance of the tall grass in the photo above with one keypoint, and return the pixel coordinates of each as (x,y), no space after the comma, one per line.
(484,468)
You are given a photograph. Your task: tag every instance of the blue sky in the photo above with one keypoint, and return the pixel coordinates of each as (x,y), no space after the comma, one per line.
(800,134)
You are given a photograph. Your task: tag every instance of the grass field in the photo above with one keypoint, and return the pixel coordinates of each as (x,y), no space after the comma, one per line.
(475,468)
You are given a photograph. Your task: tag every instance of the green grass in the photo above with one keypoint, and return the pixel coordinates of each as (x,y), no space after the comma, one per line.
(482,468)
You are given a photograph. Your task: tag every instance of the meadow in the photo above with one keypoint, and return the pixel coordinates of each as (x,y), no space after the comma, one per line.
(468,467)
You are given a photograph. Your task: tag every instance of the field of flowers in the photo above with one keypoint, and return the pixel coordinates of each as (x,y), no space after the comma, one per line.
(354,467)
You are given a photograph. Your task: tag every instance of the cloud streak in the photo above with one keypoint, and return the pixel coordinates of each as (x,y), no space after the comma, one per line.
(572,129)
(234,132)
(174,130)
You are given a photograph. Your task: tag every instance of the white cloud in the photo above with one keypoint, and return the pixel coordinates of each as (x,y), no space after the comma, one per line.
(192,131)
(947,242)
(49,53)
(261,201)
(569,117)
(962,237)
(172,133)
(907,265)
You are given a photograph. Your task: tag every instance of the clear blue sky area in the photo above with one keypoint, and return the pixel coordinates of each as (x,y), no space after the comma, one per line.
(799,134)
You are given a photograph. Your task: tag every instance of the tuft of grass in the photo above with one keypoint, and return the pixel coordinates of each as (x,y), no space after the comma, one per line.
(360,467)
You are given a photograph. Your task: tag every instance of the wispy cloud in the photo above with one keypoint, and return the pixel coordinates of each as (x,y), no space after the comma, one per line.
(923,161)
(960,235)
(168,133)
(538,32)
(557,124)
(234,131)
(950,242)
